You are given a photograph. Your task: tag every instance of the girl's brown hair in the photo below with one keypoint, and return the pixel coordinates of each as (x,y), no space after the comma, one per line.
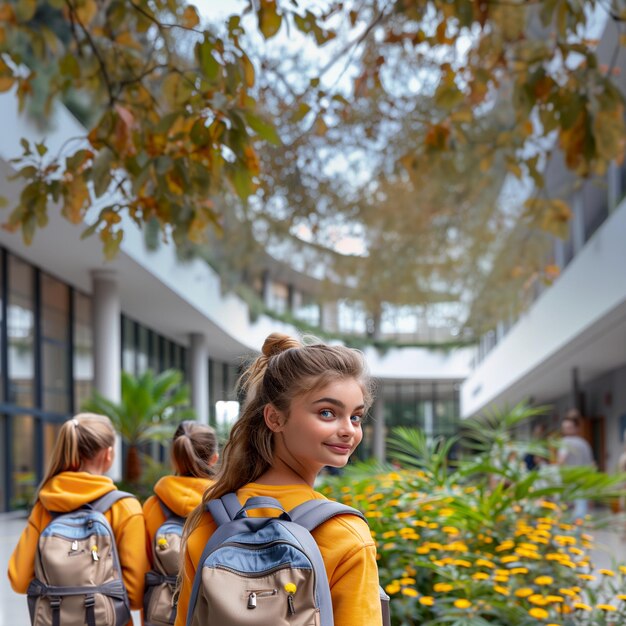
(193,450)
(286,369)
(80,438)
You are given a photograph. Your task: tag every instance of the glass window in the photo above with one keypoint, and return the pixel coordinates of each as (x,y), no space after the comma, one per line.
(83,349)
(55,347)
(21,333)
(128,348)
(23,470)
(142,349)
(155,352)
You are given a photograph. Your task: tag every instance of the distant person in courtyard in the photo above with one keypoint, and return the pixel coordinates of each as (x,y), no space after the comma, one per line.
(531,460)
(575,451)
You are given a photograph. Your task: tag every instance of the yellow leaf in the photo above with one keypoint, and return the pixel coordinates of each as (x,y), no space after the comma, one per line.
(190,17)
(248,70)
(269,18)
(86,11)
(76,200)
(126,39)
(7,14)
(6,82)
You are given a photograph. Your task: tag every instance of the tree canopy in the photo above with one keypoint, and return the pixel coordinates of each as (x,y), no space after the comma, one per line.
(394,120)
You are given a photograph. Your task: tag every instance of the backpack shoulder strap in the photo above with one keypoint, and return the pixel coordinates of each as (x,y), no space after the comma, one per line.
(313,513)
(105,502)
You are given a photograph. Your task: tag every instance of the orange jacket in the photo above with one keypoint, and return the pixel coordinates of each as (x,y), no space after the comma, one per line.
(346,545)
(180,494)
(68,491)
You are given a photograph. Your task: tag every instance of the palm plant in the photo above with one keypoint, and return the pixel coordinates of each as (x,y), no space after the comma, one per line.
(151,406)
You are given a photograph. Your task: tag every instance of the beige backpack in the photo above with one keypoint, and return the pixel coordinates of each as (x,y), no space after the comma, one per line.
(78,576)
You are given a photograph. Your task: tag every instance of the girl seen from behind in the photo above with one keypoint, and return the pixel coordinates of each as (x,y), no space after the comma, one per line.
(83,453)
(303,411)
(194,455)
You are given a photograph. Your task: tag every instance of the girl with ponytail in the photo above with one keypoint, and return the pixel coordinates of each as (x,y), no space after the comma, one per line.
(303,409)
(194,455)
(75,476)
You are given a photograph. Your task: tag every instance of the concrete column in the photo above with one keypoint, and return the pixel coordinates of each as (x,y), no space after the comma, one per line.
(107,345)
(429,425)
(378,444)
(199,376)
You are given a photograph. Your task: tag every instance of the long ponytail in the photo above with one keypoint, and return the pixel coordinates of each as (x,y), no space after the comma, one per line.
(80,438)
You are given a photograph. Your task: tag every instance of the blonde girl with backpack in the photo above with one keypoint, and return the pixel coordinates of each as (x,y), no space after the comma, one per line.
(75,478)
(303,411)
(194,454)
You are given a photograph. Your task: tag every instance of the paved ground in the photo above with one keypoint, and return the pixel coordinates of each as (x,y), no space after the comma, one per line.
(611,547)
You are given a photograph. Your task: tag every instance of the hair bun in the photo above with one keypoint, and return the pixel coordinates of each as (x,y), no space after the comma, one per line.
(279,342)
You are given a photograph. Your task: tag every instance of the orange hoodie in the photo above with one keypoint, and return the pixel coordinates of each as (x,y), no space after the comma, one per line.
(345,542)
(180,494)
(68,491)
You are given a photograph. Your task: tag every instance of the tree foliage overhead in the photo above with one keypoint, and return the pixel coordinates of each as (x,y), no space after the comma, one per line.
(398,119)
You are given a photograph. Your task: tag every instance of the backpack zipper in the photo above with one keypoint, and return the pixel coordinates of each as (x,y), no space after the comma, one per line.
(260,593)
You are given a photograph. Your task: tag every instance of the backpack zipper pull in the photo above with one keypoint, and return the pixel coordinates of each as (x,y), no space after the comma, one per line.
(94,553)
(252,601)
(290,588)
(74,545)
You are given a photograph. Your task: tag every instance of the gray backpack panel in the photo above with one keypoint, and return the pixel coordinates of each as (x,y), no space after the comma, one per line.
(78,576)
(159,603)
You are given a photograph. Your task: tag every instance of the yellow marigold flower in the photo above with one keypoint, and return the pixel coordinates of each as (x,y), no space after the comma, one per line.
(393,588)
(568,592)
(502,590)
(586,576)
(484,563)
(501,579)
(480,576)
(389,546)
(606,607)
(519,570)
(549,505)
(462,603)
(538,613)
(538,599)
(443,587)
(554,599)
(621,596)
(544,580)
(407,581)
(373,514)
(409,591)
(622,568)
(451,530)
(576,551)
(427,600)
(422,550)
(511,558)
(433,525)
(524,592)
(580,606)
(388,534)
(606,572)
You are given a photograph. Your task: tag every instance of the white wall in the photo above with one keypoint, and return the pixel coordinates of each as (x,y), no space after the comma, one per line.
(583,310)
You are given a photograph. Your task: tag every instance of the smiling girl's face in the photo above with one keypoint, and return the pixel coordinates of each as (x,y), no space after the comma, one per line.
(323,427)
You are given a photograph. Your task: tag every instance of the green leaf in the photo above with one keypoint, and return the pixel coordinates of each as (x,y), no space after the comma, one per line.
(262,128)
(4,202)
(25,9)
(207,62)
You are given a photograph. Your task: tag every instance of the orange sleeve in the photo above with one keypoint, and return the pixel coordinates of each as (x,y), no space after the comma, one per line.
(355,591)
(130,535)
(187,575)
(154,517)
(22,561)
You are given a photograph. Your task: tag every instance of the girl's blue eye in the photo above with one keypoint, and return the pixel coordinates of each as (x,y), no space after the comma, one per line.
(356,419)
(327,413)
